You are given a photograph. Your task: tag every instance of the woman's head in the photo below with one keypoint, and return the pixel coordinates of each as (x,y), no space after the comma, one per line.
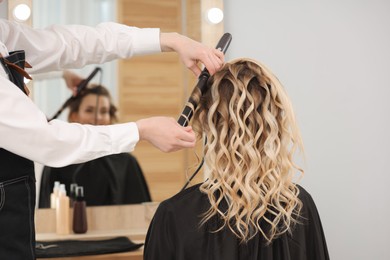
(251,134)
(93,106)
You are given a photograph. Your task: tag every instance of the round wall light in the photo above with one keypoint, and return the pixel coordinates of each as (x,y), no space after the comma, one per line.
(22,12)
(215,15)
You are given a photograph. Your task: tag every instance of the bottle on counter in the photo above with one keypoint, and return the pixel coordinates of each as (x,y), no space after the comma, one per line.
(72,195)
(80,224)
(54,195)
(62,212)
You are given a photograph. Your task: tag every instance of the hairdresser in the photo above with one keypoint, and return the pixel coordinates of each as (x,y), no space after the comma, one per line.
(25,134)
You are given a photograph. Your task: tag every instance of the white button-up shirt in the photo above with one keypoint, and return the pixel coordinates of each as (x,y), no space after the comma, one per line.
(24,129)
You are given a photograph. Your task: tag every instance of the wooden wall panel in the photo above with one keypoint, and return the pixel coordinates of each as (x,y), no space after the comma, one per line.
(153,86)
(164,14)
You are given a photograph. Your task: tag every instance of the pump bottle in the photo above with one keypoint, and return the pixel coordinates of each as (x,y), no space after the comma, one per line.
(80,225)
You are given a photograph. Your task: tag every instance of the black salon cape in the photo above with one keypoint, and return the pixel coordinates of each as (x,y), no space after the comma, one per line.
(109,180)
(175,234)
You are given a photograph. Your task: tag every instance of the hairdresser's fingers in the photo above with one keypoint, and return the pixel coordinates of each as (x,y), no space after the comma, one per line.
(195,69)
(188,135)
(192,52)
(220,57)
(165,133)
(213,61)
(188,128)
(185,138)
(183,144)
(72,80)
(217,59)
(212,64)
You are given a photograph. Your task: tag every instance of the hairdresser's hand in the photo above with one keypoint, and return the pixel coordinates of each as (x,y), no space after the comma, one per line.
(72,80)
(191,52)
(165,133)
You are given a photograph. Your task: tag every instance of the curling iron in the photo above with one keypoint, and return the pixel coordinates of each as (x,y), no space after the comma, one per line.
(82,85)
(187,113)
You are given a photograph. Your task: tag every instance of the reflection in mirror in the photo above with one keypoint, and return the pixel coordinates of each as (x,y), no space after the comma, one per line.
(50,92)
(86,12)
(109,180)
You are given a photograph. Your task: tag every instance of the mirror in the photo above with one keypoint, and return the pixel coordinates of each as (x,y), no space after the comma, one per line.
(49,91)
(87,12)
(142,86)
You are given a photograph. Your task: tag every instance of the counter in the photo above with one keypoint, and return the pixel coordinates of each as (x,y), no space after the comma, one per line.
(104,222)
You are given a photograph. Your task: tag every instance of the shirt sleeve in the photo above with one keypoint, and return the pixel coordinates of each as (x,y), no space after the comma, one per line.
(48,75)
(74,46)
(24,130)
(160,239)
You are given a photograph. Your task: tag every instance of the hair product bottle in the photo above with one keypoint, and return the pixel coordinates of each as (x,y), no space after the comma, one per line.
(80,224)
(54,194)
(62,212)
(72,195)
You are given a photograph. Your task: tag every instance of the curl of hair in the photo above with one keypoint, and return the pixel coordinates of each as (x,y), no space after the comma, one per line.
(252,135)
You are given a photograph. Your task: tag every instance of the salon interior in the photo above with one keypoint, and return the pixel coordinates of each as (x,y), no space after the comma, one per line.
(316,47)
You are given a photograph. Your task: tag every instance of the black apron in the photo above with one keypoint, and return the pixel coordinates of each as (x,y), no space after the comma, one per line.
(17,186)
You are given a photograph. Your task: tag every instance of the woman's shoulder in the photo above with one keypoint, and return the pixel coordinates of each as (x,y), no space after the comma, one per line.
(191,197)
(186,194)
(309,206)
(303,193)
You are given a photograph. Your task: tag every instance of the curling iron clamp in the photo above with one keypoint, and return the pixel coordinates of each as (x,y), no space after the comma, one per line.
(81,86)
(188,110)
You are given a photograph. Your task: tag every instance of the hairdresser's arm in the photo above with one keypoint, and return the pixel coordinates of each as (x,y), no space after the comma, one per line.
(74,46)
(24,130)
(72,80)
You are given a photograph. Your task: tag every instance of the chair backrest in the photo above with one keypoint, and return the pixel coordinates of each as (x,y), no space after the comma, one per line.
(110,180)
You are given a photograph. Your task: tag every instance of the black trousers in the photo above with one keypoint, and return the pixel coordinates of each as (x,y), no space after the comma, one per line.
(17,231)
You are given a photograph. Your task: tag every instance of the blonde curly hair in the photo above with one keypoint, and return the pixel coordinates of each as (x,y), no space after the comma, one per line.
(252,135)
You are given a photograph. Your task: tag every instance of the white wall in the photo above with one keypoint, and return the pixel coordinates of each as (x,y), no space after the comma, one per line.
(4,9)
(333,57)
